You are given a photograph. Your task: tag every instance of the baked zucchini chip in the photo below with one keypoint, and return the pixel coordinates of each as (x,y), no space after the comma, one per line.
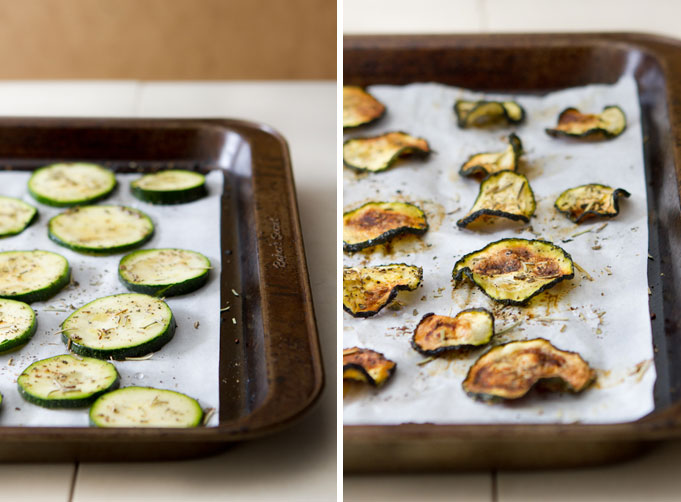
(378,222)
(483,164)
(502,195)
(438,333)
(366,365)
(15,216)
(366,290)
(610,123)
(378,153)
(485,113)
(360,107)
(510,370)
(512,271)
(588,201)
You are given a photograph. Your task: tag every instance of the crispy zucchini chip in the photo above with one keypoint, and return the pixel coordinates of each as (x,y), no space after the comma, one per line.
(510,370)
(377,222)
(483,164)
(610,123)
(512,271)
(366,365)
(485,113)
(378,153)
(366,290)
(438,333)
(360,107)
(588,201)
(502,195)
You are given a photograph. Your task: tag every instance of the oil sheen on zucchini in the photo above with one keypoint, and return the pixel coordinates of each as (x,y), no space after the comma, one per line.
(366,290)
(71,184)
(367,366)
(588,201)
(119,326)
(510,370)
(175,186)
(145,407)
(512,271)
(436,334)
(378,222)
(485,113)
(66,381)
(17,324)
(483,164)
(610,123)
(15,216)
(378,153)
(360,107)
(32,276)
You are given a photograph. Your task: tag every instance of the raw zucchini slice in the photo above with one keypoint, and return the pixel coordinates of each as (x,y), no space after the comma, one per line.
(485,113)
(483,164)
(71,184)
(119,326)
(366,365)
(438,333)
(610,123)
(502,195)
(378,222)
(588,201)
(15,216)
(32,276)
(145,407)
(510,370)
(360,107)
(378,153)
(175,186)
(163,272)
(17,324)
(101,229)
(366,290)
(512,271)
(66,381)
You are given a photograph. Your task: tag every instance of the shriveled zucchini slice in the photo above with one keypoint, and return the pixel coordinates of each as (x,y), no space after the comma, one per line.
(510,370)
(66,381)
(366,290)
(15,216)
(119,326)
(484,113)
(610,123)
(360,107)
(32,276)
(366,365)
(512,271)
(145,407)
(483,164)
(502,195)
(175,186)
(71,184)
(438,333)
(17,324)
(378,153)
(588,201)
(100,229)
(378,222)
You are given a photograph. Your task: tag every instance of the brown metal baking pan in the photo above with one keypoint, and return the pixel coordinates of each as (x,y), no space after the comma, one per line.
(536,64)
(270,368)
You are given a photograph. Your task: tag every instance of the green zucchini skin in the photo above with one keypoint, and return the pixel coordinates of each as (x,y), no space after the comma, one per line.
(25,336)
(168,197)
(454,348)
(49,201)
(32,219)
(46,292)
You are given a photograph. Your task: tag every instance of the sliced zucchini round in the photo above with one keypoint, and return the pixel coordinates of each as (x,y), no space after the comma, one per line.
(67,382)
(378,153)
(15,216)
(366,365)
(145,407)
(589,201)
(175,186)
(608,124)
(484,164)
(360,107)
(32,276)
(101,229)
(436,334)
(163,272)
(17,324)
(71,184)
(119,326)
(484,113)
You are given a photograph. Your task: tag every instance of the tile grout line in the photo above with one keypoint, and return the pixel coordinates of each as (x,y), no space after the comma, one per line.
(495,486)
(74,478)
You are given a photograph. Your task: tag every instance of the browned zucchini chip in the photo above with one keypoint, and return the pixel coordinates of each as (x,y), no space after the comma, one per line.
(610,123)
(511,271)
(378,153)
(366,290)
(377,222)
(360,107)
(485,113)
(482,164)
(510,370)
(438,333)
(502,195)
(588,201)
(366,365)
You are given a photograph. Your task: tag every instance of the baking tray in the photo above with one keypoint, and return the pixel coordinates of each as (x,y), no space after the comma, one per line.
(270,365)
(536,64)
